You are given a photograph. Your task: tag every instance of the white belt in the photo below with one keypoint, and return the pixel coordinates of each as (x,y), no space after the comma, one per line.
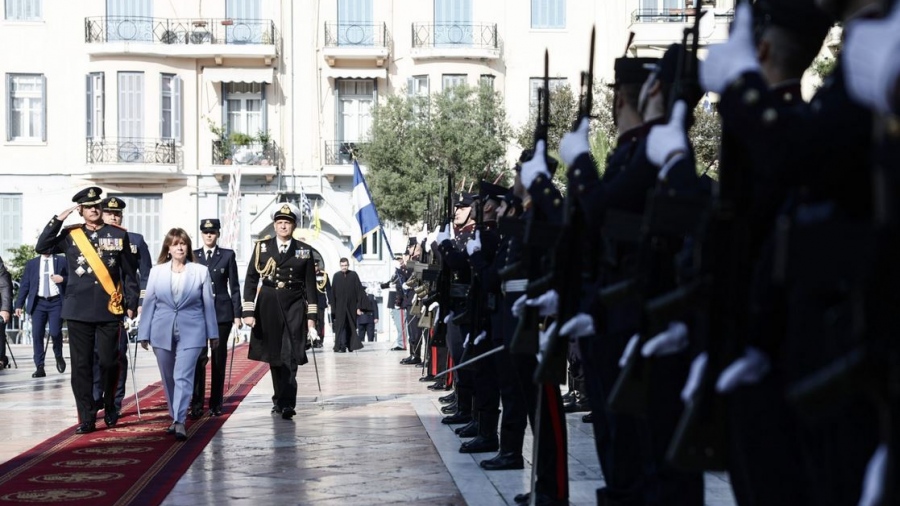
(515,285)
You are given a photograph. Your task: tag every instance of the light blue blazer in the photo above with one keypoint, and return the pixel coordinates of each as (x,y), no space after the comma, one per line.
(194,315)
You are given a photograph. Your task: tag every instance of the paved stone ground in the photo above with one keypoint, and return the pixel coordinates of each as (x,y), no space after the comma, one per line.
(372,437)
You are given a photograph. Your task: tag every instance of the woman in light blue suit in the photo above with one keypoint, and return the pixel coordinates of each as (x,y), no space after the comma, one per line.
(178,317)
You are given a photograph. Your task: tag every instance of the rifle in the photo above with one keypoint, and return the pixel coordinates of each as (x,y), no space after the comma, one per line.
(476,301)
(445,276)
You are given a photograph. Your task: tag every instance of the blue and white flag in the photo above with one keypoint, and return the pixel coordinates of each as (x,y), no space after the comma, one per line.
(364,210)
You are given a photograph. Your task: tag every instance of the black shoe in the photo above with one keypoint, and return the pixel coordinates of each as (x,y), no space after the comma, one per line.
(317,344)
(456,419)
(588,418)
(111,417)
(398,348)
(448,409)
(576,407)
(342,350)
(288,413)
(39,373)
(196,413)
(522,498)
(60,364)
(480,445)
(276,409)
(439,385)
(468,430)
(503,462)
(180,432)
(215,411)
(448,399)
(568,397)
(171,429)
(425,379)
(4,362)
(86,428)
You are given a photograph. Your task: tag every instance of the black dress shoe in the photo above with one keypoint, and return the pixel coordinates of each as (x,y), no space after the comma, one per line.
(437,386)
(180,432)
(39,373)
(398,348)
(215,411)
(448,399)
(448,409)
(427,378)
(480,445)
(522,498)
(288,413)
(60,364)
(171,429)
(276,409)
(468,430)
(111,417)
(4,362)
(342,350)
(588,418)
(86,428)
(195,413)
(503,462)
(456,419)
(576,407)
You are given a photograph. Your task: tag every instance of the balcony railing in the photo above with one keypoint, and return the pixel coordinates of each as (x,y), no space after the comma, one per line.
(341,152)
(178,31)
(675,15)
(255,153)
(342,34)
(132,150)
(454,35)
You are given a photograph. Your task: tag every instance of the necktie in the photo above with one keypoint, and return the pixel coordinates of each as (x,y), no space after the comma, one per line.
(208,255)
(283,249)
(46,290)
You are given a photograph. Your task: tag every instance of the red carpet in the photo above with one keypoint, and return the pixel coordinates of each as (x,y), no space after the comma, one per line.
(133,463)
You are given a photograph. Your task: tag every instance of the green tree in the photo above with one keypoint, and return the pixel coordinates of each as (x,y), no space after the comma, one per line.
(20,256)
(416,140)
(563,107)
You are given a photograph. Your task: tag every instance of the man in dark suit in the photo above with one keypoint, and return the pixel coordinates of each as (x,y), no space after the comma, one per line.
(112,209)
(223,273)
(103,289)
(5,311)
(40,295)
(349,295)
(365,323)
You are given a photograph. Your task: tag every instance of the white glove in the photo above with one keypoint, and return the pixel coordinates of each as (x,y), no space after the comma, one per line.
(547,303)
(433,306)
(443,235)
(873,483)
(665,141)
(423,234)
(480,337)
(466,342)
(405,286)
(726,62)
(668,342)
(448,317)
(415,298)
(544,341)
(872,63)
(519,306)
(437,312)
(313,335)
(432,237)
(574,144)
(629,349)
(693,380)
(580,325)
(534,167)
(474,243)
(747,370)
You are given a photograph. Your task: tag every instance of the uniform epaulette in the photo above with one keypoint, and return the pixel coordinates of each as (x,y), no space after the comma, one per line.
(266,238)
(70,227)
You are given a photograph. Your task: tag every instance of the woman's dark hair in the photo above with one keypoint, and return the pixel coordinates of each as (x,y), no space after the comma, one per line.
(175,234)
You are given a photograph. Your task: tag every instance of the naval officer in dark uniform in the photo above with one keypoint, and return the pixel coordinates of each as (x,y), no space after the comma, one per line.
(282,313)
(102,288)
(223,273)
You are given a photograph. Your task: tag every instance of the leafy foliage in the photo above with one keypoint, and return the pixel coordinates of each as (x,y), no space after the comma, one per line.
(417,140)
(20,256)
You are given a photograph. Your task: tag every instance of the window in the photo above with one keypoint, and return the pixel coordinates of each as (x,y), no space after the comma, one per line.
(548,14)
(355,100)
(170,107)
(244,108)
(371,249)
(95,105)
(487,80)
(24,10)
(536,83)
(452,22)
(131,117)
(355,25)
(224,217)
(451,80)
(417,86)
(129,20)
(10,222)
(247,29)
(26,117)
(143,217)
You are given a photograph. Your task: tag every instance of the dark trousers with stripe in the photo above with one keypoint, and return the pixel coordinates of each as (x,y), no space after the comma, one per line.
(83,337)
(217,371)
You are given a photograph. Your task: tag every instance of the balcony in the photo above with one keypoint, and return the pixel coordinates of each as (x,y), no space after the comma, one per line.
(455,40)
(660,27)
(356,42)
(254,159)
(180,38)
(132,159)
(338,160)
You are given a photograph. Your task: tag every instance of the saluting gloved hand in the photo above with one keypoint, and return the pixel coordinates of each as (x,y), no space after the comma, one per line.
(580,325)
(876,478)
(576,143)
(747,370)
(547,303)
(668,342)
(519,306)
(872,61)
(536,166)
(666,142)
(443,235)
(474,243)
(694,377)
(726,62)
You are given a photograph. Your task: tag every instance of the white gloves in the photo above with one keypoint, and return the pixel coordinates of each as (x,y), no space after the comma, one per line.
(668,342)
(519,305)
(466,342)
(547,303)
(747,370)
(423,234)
(481,337)
(443,235)
(405,286)
(581,325)
(474,243)
(694,377)
(432,237)
(449,317)
(629,349)
(872,60)
(873,483)
(666,141)
(574,144)
(433,306)
(313,336)
(726,62)
(544,341)
(534,167)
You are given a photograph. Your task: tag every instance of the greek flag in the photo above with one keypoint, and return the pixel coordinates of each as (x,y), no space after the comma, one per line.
(364,210)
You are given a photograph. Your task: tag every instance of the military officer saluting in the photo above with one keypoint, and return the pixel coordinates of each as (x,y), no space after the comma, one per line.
(101,289)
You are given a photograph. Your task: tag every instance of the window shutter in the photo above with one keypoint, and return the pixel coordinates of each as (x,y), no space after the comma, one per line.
(176,109)
(263,110)
(9,107)
(89,102)
(43,108)
(102,118)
